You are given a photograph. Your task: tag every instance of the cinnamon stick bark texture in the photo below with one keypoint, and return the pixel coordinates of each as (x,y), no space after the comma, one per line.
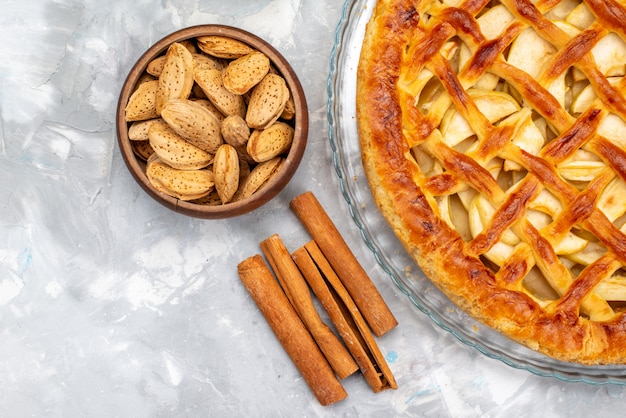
(290,331)
(364,293)
(297,291)
(345,316)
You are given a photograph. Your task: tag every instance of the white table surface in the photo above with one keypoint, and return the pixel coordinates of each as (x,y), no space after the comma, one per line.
(113,306)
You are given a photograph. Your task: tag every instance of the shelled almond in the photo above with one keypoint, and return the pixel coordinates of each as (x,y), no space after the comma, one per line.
(183,184)
(211,104)
(194,122)
(176,78)
(226,172)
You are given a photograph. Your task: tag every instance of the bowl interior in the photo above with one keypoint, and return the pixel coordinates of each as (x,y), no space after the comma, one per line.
(275,184)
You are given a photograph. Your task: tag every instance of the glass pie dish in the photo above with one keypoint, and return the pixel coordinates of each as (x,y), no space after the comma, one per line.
(388,251)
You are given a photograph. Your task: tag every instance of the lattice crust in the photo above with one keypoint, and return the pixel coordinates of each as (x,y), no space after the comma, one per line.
(493,136)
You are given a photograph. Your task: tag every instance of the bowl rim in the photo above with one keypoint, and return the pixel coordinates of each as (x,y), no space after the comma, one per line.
(275,184)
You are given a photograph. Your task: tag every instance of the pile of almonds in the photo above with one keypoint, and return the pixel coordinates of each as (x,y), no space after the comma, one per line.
(212,119)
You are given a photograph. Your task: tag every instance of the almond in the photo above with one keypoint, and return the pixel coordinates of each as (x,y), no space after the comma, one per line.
(223,47)
(212,199)
(210,107)
(210,80)
(289,112)
(155,67)
(181,184)
(138,131)
(259,175)
(235,131)
(203,62)
(143,78)
(265,144)
(175,150)
(142,149)
(193,122)
(190,45)
(246,72)
(226,172)
(176,79)
(267,101)
(142,103)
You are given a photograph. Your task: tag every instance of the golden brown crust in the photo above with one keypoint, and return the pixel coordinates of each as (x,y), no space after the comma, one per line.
(405,38)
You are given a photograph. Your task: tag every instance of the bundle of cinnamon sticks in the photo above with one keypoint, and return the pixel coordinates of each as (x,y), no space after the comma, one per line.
(327,266)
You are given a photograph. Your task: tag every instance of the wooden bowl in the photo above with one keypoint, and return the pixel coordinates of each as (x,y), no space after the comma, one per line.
(275,184)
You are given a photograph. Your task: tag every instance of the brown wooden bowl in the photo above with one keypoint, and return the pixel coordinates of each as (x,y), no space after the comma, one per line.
(137,166)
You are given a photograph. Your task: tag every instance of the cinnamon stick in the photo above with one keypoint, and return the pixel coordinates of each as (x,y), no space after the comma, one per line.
(345,316)
(290,331)
(298,293)
(362,290)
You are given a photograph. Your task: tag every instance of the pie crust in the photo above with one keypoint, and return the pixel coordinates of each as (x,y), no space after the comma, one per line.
(493,138)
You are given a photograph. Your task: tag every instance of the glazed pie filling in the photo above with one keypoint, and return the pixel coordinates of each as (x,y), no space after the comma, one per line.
(522,150)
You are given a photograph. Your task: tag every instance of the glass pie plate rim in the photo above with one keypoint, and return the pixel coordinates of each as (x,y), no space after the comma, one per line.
(340,112)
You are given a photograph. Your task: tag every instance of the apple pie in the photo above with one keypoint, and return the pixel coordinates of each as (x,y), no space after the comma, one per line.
(493,137)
